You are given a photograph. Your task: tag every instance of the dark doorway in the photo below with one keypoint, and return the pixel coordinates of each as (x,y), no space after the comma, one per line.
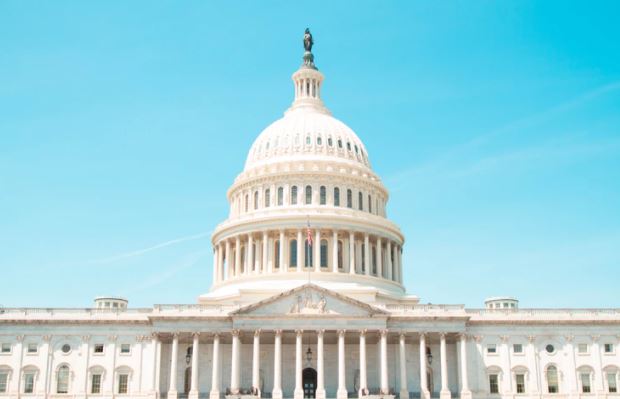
(309,382)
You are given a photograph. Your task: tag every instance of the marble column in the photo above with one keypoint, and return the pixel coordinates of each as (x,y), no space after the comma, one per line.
(424,392)
(277,366)
(154,345)
(379,258)
(363,370)
(320,366)
(174,359)
(216,276)
(234,363)
(445,391)
(385,388)
(256,363)
(263,266)
(598,386)
(335,251)
(193,392)
(229,272)
(237,256)
(250,260)
(215,369)
(389,260)
(367,260)
(465,392)
(533,386)
(504,354)
(317,250)
(342,386)
(351,252)
(404,389)
(299,391)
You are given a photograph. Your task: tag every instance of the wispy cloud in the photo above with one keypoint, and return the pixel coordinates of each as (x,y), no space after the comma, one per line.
(139,252)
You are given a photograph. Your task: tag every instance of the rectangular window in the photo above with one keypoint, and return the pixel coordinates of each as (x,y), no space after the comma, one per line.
(29,382)
(349,199)
(95,383)
(32,348)
(98,348)
(4,379)
(582,348)
(585,382)
(609,348)
(493,383)
(517,348)
(123,379)
(6,347)
(612,383)
(323,253)
(520,380)
(125,348)
(491,348)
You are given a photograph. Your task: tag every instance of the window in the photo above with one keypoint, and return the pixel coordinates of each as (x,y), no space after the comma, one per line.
(348,146)
(520,380)
(66,348)
(360,201)
(308,195)
(550,348)
(340,253)
(612,383)
(364,258)
(491,348)
(323,253)
(355,146)
(582,348)
(123,380)
(374,260)
(349,199)
(609,348)
(276,255)
(323,195)
(6,348)
(29,382)
(267,198)
(319,140)
(293,253)
(33,348)
(98,348)
(62,380)
(309,254)
(294,195)
(585,382)
(255,200)
(330,142)
(125,348)
(308,140)
(552,379)
(280,196)
(517,348)
(369,204)
(95,383)
(4,381)
(336,196)
(493,383)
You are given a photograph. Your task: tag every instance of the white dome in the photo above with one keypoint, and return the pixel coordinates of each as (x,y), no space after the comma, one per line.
(307,134)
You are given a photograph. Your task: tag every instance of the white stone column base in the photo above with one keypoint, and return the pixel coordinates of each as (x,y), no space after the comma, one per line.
(276,394)
(426,394)
(298,394)
(342,394)
(445,394)
(404,394)
(214,394)
(319,394)
(193,395)
(173,394)
(466,394)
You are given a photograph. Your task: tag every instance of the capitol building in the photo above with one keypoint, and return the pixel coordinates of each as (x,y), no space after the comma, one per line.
(308,301)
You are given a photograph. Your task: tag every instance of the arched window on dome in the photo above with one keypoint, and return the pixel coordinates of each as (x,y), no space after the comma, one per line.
(308,140)
(293,253)
(339,143)
(276,254)
(319,140)
(309,254)
(360,201)
(280,196)
(349,198)
(323,195)
(552,379)
(356,150)
(294,195)
(336,196)
(308,195)
(369,204)
(255,200)
(247,202)
(340,255)
(330,142)
(323,253)
(267,198)
(349,145)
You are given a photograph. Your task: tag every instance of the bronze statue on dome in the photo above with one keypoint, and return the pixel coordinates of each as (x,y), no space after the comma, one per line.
(308,42)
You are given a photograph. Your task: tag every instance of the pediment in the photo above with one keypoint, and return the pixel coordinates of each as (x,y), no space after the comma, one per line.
(309,300)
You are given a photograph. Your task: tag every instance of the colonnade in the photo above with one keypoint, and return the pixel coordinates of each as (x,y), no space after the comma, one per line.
(287,250)
(341,393)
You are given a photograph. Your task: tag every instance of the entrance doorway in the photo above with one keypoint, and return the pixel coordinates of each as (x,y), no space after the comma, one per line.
(309,382)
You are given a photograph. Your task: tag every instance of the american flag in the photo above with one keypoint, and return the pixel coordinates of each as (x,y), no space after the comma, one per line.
(309,234)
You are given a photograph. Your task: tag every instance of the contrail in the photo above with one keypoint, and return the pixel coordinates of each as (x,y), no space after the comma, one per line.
(152,248)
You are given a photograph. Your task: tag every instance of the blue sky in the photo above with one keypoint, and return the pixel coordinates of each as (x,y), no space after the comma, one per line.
(495,126)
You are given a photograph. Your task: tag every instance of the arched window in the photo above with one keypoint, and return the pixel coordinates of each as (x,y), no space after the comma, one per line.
(340,254)
(247,202)
(611,379)
(348,145)
(319,140)
(323,195)
(323,253)
(308,252)
(349,198)
(360,201)
(62,379)
(294,195)
(280,196)
(293,253)
(276,255)
(339,143)
(330,142)
(267,198)
(255,200)
(585,379)
(552,379)
(308,195)
(336,196)
(355,148)
(308,140)
(369,204)
(29,376)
